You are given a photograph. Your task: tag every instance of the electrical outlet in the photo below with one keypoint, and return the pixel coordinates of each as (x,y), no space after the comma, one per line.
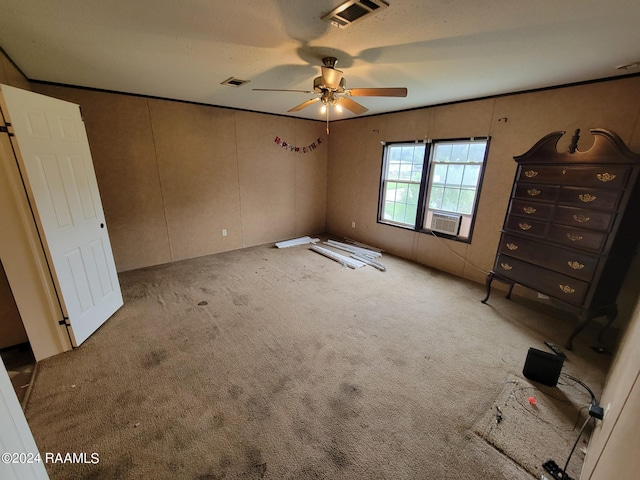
(224,232)
(353,224)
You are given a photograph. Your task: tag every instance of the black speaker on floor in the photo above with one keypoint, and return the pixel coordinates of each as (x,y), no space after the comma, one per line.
(543,367)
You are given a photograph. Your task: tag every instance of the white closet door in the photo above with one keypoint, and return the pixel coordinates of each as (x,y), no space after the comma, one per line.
(54,157)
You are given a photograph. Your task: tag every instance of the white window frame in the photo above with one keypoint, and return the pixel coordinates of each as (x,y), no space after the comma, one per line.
(385,180)
(424,213)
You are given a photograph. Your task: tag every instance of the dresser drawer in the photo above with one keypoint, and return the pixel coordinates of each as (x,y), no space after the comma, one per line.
(605,176)
(542,280)
(527,226)
(574,264)
(589,197)
(577,238)
(535,210)
(541,193)
(581,218)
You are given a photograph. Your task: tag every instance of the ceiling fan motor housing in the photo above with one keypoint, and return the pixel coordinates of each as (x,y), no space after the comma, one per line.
(330,62)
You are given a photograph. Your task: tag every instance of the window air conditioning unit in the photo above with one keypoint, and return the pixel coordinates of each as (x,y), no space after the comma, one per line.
(448,223)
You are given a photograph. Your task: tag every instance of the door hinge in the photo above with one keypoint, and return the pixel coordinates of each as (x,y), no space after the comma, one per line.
(64,322)
(5,129)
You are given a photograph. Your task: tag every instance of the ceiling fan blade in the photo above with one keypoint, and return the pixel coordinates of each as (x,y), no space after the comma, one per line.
(331,77)
(349,104)
(280,90)
(305,104)
(377,92)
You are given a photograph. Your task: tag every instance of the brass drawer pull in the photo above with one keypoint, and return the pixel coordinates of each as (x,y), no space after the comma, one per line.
(605,177)
(506,266)
(587,197)
(581,218)
(534,192)
(567,288)
(530,173)
(512,246)
(575,265)
(529,210)
(524,226)
(573,237)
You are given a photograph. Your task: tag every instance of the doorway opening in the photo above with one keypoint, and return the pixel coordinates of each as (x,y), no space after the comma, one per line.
(15,349)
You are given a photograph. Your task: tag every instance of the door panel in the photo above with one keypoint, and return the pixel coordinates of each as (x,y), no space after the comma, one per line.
(15,435)
(55,160)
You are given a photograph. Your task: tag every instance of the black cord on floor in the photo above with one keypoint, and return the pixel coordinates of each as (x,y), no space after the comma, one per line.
(576,443)
(586,387)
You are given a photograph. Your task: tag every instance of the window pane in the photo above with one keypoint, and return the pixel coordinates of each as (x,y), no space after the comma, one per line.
(402,193)
(454,175)
(394,170)
(450,199)
(390,194)
(406,154)
(416,174)
(410,215)
(435,199)
(476,152)
(398,212)
(443,152)
(467,197)
(440,174)
(460,152)
(413,193)
(471,175)
(405,170)
(388,210)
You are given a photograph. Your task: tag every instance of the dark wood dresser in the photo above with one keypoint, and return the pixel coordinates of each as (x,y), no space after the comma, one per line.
(573,225)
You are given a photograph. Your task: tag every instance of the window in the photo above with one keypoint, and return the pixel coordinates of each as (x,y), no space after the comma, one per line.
(432,187)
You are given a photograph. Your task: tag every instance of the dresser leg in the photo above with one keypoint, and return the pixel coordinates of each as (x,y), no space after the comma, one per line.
(508,297)
(584,319)
(488,281)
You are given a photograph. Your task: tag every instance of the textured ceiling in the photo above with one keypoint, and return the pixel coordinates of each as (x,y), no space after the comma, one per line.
(441,50)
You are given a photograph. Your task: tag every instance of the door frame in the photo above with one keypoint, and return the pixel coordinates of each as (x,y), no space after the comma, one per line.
(24,260)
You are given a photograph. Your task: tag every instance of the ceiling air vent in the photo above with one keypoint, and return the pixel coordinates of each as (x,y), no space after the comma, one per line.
(353,11)
(234,82)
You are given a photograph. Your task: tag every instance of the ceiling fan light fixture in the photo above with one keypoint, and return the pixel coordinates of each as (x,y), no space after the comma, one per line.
(331,77)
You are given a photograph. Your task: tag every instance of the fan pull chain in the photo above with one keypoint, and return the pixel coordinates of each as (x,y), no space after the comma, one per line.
(327,120)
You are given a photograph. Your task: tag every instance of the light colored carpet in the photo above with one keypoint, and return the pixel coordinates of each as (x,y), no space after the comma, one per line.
(281,364)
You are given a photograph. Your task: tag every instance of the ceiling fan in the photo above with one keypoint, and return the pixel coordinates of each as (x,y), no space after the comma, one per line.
(331,89)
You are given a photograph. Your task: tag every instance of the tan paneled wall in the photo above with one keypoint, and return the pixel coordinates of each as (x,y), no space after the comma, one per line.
(614,445)
(513,122)
(12,331)
(174,175)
